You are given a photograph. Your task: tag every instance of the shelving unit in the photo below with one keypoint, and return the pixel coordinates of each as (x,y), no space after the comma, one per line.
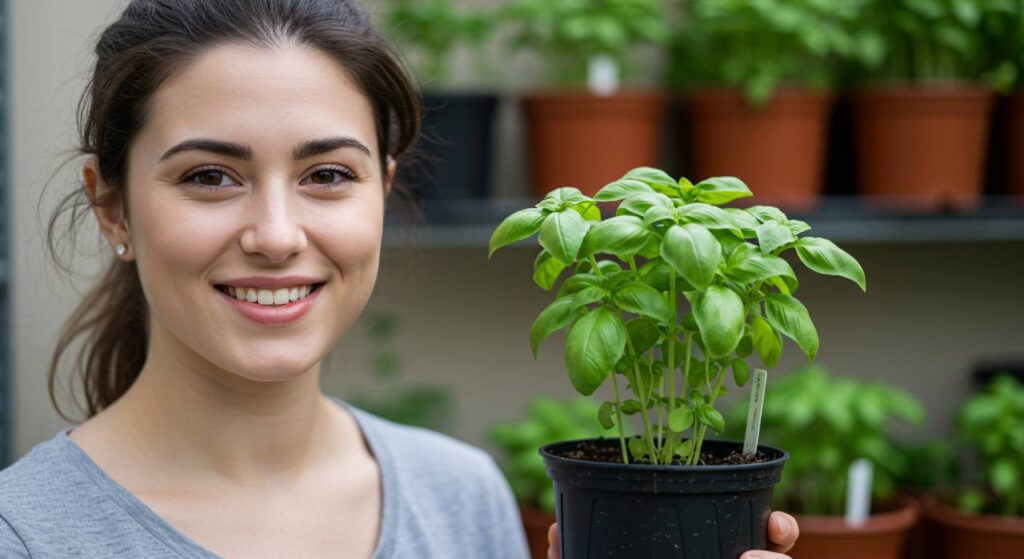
(470,223)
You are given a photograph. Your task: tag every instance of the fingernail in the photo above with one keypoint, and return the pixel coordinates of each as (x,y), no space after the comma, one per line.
(783,526)
(751,556)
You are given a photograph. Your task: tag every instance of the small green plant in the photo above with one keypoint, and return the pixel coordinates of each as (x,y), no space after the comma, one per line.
(759,45)
(568,33)
(1003,45)
(547,421)
(825,424)
(932,40)
(432,29)
(991,422)
(671,241)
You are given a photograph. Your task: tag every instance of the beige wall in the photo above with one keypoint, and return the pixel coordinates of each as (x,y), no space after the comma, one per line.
(930,312)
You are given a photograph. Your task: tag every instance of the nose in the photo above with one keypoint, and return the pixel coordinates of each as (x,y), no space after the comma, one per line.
(275,228)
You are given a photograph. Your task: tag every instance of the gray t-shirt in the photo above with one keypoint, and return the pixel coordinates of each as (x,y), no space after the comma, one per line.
(442,499)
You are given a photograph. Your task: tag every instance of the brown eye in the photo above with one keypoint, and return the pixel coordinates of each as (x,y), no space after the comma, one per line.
(210,179)
(325,176)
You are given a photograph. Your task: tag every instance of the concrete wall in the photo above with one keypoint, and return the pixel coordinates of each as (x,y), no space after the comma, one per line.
(931,310)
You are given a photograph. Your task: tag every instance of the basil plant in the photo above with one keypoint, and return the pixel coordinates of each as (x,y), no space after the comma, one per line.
(669,296)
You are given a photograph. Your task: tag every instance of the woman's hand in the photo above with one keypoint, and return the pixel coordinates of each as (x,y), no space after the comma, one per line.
(782,534)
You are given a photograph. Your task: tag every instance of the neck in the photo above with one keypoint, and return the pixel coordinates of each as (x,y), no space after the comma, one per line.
(186,412)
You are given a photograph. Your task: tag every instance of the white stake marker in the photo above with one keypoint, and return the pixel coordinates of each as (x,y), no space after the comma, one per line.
(603,75)
(858,492)
(754,413)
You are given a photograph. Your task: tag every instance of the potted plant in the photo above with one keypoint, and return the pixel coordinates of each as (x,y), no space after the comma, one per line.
(586,128)
(921,116)
(759,107)
(547,420)
(454,154)
(1004,47)
(667,298)
(826,424)
(988,521)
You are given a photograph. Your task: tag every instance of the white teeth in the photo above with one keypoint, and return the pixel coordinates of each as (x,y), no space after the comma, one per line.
(281,296)
(269,297)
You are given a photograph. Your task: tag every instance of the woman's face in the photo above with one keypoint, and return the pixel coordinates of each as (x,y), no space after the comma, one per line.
(255,178)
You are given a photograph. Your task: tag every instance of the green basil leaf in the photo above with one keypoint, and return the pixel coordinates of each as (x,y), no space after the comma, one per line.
(604,415)
(720,315)
(562,235)
(750,266)
(764,214)
(711,217)
(824,257)
(771,235)
(712,418)
(650,176)
(622,189)
(566,197)
(576,283)
(767,342)
(740,372)
(637,448)
(790,317)
(644,300)
(589,211)
(631,407)
(743,221)
(693,252)
(589,296)
(643,334)
(592,348)
(721,190)
(554,317)
(620,235)
(546,270)
(680,419)
(639,204)
(516,227)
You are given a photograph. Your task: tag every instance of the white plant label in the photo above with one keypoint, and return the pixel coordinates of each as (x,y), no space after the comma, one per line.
(858,492)
(602,75)
(754,412)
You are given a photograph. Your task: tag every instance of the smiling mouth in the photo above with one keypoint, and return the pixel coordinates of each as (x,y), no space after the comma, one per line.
(269,297)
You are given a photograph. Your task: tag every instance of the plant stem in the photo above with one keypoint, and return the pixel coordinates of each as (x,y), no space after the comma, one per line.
(671,365)
(661,394)
(593,262)
(618,419)
(643,405)
(703,428)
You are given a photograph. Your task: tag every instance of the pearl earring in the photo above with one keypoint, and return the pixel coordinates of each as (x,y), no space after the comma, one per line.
(120,249)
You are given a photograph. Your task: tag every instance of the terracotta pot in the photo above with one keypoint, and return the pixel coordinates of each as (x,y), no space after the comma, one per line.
(922,148)
(974,537)
(882,536)
(1013,161)
(577,139)
(777,149)
(537,523)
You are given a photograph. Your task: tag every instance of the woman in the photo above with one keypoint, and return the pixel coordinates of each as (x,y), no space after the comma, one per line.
(239,155)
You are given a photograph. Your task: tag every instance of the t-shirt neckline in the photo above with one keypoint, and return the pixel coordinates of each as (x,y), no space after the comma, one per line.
(186,546)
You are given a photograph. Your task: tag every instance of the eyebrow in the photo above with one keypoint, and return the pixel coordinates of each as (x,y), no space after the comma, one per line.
(304,150)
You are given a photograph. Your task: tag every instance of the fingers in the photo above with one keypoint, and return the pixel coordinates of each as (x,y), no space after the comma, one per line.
(763,555)
(782,533)
(553,550)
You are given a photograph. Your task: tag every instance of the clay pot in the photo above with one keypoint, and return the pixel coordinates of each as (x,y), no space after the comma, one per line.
(882,536)
(581,140)
(778,149)
(971,537)
(537,523)
(1013,157)
(922,148)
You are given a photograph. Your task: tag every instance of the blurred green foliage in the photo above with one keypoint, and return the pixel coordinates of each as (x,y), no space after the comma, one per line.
(566,33)
(547,420)
(992,422)
(431,29)
(826,423)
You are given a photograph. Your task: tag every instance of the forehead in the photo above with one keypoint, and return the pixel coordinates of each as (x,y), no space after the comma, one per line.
(269,98)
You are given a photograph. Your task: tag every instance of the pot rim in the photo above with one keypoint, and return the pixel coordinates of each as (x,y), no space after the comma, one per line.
(902,518)
(547,455)
(937,511)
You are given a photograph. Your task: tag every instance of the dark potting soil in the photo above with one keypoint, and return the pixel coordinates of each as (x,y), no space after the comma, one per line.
(613,454)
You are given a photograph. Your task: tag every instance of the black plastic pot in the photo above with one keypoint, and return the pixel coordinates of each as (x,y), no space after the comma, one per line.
(452,159)
(659,512)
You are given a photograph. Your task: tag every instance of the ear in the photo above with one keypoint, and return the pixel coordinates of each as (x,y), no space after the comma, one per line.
(109,216)
(389,180)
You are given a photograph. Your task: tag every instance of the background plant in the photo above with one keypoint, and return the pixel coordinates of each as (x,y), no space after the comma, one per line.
(568,33)
(1003,45)
(670,242)
(932,40)
(547,420)
(757,45)
(432,29)
(826,423)
(991,422)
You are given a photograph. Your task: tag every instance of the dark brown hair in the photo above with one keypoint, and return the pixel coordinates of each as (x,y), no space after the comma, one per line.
(150,41)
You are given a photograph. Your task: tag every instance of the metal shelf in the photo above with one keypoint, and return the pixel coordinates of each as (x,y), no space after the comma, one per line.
(848,219)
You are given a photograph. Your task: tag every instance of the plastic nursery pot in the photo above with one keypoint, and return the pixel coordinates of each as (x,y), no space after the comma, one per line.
(779,147)
(452,159)
(578,139)
(536,522)
(624,511)
(882,536)
(972,537)
(922,148)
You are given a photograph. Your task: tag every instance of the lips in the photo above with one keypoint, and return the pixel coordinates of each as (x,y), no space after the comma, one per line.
(269,314)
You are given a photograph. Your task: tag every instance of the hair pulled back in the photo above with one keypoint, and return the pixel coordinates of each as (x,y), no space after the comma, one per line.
(149,42)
